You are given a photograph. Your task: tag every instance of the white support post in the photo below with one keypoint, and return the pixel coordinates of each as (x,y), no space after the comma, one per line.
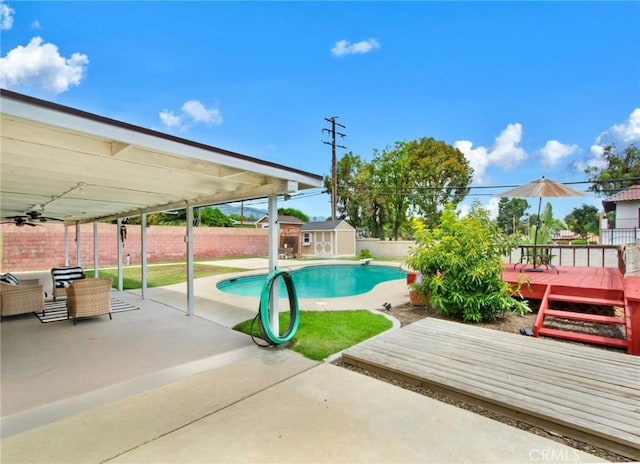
(96,251)
(274,236)
(78,248)
(189,241)
(66,245)
(143,254)
(119,254)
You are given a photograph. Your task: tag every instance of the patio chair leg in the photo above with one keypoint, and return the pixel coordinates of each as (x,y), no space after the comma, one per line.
(74,320)
(110,318)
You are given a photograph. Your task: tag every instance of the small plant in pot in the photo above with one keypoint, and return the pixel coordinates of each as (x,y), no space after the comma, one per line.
(417,295)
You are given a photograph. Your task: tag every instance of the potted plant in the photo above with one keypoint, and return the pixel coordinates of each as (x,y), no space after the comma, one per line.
(417,295)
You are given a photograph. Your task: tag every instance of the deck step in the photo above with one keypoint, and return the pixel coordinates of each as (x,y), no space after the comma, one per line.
(586,300)
(580,337)
(574,316)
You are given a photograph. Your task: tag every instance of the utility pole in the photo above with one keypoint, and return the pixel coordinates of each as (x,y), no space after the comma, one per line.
(332,131)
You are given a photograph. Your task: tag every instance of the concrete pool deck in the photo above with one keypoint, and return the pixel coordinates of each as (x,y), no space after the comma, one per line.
(229,403)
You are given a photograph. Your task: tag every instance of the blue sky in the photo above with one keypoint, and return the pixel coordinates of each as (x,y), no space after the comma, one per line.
(523,89)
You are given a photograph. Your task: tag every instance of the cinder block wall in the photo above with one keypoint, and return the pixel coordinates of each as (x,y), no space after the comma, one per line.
(42,247)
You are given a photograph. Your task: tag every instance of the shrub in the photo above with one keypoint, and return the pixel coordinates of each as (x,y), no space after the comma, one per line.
(364,254)
(461,263)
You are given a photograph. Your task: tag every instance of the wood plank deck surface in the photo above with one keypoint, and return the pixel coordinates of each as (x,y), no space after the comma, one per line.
(587,393)
(588,280)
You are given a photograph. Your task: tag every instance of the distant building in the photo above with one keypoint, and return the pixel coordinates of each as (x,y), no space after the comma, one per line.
(335,239)
(290,242)
(626,205)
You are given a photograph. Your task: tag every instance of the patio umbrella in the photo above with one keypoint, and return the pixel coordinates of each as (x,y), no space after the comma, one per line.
(540,188)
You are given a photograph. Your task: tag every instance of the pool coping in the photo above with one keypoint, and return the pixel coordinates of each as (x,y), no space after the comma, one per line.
(228,309)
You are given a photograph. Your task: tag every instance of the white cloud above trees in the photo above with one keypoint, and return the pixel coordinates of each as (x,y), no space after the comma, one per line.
(505,152)
(621,135)
(554,152)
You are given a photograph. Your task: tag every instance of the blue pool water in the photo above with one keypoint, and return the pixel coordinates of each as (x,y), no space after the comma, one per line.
(319,281)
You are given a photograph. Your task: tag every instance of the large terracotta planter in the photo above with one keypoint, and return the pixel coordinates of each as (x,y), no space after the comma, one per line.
(418,298)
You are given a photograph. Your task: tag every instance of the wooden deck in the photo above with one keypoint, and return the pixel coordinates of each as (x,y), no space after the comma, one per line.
(590,281)
(587,393)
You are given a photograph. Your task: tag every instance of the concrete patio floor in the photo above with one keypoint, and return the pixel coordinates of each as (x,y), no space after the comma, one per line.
(153,385)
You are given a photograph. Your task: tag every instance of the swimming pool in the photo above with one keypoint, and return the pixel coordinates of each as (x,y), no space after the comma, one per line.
(329,281)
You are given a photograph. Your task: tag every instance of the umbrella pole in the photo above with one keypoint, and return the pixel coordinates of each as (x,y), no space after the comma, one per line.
(535,235)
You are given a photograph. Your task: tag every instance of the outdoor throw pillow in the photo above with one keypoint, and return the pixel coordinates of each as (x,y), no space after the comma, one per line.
(9,279)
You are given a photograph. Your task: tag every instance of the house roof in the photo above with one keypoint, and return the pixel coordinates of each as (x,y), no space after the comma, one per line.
(323,225)
(79,167)
(629,194)
(283,219)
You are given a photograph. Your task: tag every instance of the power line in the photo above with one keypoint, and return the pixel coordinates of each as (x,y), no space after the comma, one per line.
(332,131)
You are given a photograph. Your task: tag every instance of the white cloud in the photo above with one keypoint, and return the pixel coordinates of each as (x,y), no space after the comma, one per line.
(6,17)
(41,65)
(192,111)
(199,113)
(554,152)
(478,158)
(35,24)
(492,208)
(624,133)
(621,135)
(344,47)
(505,152)
(169,119)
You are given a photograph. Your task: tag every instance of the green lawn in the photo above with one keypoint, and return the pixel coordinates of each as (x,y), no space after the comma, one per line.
(323,333)
(161,274)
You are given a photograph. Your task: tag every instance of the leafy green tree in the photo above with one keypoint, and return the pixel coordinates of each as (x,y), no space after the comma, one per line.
(412,177)
(391,172)
(348,205)
(584,220)
(294,212)
(621,170)
(438,173)
(510,212)
(169,218)
(461,263)
(212,217)
(372,199)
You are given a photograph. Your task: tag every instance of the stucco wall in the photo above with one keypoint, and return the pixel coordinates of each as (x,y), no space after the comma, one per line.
(384,249)
(42,247)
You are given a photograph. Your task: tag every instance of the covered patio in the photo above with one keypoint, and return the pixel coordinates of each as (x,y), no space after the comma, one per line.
(63,164)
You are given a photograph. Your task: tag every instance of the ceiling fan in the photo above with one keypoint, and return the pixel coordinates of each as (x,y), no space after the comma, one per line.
(31,218)
(20,221)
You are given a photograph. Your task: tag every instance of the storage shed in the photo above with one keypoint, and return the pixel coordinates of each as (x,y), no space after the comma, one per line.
(335,239)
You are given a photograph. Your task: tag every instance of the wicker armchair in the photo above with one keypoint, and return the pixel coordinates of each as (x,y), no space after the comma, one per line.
(89,297)
(26,297)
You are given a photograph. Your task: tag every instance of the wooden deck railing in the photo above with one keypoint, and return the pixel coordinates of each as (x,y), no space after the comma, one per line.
(578,255)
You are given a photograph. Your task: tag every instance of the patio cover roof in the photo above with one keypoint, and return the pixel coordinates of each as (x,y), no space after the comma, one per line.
(79,167)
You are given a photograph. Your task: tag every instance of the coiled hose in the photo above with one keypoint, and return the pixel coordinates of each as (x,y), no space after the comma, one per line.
(266,330)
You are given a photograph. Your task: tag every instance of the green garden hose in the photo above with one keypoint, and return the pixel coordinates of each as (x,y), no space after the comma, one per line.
(294,312)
